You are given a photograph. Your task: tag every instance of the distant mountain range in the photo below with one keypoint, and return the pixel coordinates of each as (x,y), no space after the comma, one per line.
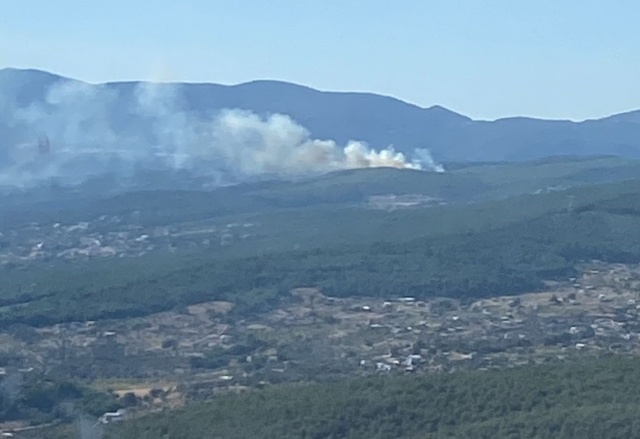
(378,120)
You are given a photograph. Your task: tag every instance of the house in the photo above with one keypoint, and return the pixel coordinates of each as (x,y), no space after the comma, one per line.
(411,360)
(112,416)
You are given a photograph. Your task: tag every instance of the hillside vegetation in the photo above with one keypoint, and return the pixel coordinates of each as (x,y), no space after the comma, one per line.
(586,399)
(508,247)
(462,184)
(44,399)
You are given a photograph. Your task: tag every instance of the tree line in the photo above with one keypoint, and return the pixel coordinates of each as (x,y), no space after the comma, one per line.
(510,259)
(586,397)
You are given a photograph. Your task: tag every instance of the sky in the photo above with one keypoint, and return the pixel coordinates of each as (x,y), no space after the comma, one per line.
(557,59)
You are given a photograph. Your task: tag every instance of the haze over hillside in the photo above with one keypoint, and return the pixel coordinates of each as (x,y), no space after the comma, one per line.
(129,129)
(260,128)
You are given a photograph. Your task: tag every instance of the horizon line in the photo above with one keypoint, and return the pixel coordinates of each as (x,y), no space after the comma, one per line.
(335,91)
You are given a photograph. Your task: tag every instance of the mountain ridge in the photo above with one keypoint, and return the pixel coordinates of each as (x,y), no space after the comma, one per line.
(277,82)
(341,116)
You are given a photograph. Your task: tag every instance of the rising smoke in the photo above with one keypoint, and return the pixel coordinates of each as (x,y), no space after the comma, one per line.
(98,130)
(277,145)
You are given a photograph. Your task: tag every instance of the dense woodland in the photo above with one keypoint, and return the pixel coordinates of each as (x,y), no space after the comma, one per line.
(509,257)
(43,399)
(585,398)
(175,200)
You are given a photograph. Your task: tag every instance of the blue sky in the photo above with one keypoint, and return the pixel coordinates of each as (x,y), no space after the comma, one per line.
(571,59)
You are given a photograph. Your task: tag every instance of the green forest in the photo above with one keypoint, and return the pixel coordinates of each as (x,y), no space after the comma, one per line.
(43,399)
(462,183)
(585,398)
(512,256)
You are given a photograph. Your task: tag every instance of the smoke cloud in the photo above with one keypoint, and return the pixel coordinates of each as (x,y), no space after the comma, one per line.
(87,428)
(126,131)
(278,145)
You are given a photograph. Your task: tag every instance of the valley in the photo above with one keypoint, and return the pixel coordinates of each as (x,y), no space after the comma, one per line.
(193,354)
(128,306)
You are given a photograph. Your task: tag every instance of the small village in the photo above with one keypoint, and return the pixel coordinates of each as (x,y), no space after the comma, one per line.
(169,358)
(111,236)
(125,236)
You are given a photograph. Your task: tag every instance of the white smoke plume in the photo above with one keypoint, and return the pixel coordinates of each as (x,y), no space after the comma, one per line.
(278,145)
(95,130)
(426,161)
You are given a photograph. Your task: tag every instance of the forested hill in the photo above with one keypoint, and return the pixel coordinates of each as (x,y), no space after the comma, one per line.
(462,183)
(468,252)
(587,399)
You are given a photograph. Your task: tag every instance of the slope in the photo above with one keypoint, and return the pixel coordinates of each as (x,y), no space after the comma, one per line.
(584,398)
(505,247)
(462,184)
